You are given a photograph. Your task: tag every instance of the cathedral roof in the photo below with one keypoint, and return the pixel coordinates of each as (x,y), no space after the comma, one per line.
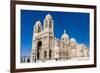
(48,16)
(65,36)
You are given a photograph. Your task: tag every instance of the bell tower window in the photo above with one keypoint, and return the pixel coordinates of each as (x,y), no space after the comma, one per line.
(46,24)
(50,25)
(39,29)
(45,54)
(35,29)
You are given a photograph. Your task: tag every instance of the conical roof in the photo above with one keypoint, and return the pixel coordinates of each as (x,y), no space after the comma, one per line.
(48,17)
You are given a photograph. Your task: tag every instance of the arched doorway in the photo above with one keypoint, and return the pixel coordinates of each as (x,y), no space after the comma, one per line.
(45,54)
(39,46)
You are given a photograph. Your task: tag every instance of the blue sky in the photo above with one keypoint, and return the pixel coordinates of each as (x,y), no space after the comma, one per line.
(76,25)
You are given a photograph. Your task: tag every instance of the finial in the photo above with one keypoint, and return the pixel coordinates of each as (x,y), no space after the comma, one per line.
(48,14)
(64,31)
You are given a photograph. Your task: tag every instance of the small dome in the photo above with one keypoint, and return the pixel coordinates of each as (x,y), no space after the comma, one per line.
(65,36)
(84,46)
(48,17)
(73,40)
(38,23)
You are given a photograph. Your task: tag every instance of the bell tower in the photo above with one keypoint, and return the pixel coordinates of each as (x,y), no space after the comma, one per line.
(48,23)
(43,40)
(48,36)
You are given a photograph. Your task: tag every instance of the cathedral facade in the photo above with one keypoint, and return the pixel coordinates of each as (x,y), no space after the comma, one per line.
(45,45)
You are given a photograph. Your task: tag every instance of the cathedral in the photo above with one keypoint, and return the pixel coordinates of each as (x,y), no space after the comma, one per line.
(45,45)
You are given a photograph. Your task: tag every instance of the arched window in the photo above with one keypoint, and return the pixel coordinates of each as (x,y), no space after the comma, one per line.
(50,54)
(45,54)
(50,25)
(35,30)
(63,44)
(39,45)
(39,29)
(46,24)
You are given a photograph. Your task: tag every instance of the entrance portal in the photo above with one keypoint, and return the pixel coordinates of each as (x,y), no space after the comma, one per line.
(39,46)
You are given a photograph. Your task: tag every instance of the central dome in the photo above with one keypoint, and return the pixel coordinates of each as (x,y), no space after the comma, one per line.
(48,17)
(65,36)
